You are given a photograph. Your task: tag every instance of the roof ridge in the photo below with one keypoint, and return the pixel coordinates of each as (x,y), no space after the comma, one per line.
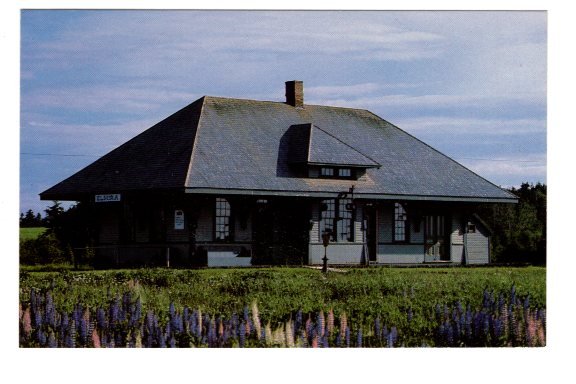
(193,151)
(284,103)
(343,142)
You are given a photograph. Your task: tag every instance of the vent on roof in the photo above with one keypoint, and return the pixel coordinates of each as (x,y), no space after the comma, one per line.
(295,93)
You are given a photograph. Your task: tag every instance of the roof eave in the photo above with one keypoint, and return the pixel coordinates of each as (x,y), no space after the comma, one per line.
(357,195)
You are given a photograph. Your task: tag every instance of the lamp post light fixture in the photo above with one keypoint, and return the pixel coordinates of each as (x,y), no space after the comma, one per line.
(325,241)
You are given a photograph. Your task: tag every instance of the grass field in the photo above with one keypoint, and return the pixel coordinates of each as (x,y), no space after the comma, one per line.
(364,294)
(31,233)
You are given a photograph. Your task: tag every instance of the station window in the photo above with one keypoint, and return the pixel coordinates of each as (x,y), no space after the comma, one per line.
(222,224)
(400,223)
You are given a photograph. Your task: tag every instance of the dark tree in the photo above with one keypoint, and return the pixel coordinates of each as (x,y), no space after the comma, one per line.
(519,230)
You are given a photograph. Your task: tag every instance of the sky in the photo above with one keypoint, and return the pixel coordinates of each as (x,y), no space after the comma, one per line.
(471,84)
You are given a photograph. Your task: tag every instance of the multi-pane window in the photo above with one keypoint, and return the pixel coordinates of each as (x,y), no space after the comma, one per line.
(337,217)
(222,225)
(345,222)
(327,216)
(400,223)
(336,173)
(344,172)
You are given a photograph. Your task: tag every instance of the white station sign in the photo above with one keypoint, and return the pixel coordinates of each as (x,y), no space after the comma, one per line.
(111,197)
(178,219)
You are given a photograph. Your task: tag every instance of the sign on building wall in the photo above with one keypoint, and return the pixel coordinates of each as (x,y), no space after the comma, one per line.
(178,219)
(107,198)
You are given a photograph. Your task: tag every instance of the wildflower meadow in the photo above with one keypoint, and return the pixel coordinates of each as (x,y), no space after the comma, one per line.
(128,316)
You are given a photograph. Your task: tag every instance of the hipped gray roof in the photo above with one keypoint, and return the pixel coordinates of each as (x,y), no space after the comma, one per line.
(224,145)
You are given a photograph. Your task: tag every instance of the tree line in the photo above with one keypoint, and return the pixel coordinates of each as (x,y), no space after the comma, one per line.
(519,230)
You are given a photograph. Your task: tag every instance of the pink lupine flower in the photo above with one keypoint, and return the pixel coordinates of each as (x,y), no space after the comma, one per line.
(95,339)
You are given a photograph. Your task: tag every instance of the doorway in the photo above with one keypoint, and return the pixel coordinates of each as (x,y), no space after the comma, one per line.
(435,239)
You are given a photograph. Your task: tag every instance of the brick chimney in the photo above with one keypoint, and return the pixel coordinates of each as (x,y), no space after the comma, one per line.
(295,93)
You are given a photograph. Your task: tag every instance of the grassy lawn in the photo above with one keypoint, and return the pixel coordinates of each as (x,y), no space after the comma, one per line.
(31,233)
(361,292)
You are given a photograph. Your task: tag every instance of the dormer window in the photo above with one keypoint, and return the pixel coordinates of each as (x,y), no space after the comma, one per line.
(326,172)
(344,172)
(336,173)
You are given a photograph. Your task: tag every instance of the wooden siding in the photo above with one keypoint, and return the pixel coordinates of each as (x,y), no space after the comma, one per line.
(385,223)
(477,245)
(109,227)
(205,225)
(337,253)
(456,239)
(242,234)
(400,253)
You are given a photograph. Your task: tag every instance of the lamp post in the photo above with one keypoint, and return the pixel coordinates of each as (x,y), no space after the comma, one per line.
(325,241)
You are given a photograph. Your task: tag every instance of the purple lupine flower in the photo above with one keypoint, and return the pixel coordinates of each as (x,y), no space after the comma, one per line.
(172,342)
(501,304)
(70,338)
(33,304)
(459,307)
(338,340)
(172,310)
(449,334)
(347,337)
(114,311)
(52,341)
(37,319)
(194,323)
(41,337)
(162,341)
(50,312)
(242,334)
(234,324)
(212,334)
(542,317)
(101,318)
(63,325)
(320,324)
(410,314)
(377,327)
(391,339)
(83,329)
(325,343)
(298,320)
(359,338)
(527,303)
(168,329)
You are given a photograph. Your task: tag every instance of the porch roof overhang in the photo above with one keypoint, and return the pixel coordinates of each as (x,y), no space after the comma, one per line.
(357,195)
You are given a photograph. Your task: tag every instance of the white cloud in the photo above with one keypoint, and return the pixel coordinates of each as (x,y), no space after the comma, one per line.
(121,98)
(467,126)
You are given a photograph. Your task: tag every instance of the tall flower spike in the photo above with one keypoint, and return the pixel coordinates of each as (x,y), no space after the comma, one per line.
(343,324)
(95,339)
(321,324)
(256,317)
(330,322)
